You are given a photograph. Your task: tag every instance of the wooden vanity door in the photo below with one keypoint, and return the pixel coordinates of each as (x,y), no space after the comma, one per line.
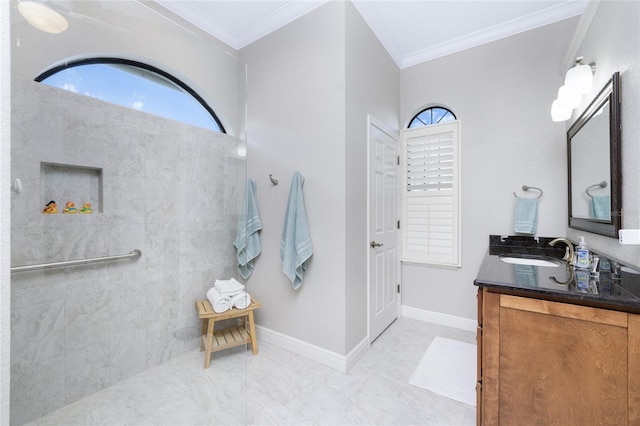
(634,369)
(558,364)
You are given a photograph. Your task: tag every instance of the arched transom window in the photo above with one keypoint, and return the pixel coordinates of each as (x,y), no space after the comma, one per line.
(431,115)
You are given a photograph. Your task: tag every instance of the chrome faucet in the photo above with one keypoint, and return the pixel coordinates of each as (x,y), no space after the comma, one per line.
(569,252)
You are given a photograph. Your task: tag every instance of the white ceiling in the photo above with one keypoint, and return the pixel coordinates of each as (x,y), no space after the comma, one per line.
(412,31)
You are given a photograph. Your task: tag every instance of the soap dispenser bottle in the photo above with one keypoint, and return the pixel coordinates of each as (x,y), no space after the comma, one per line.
(582,255)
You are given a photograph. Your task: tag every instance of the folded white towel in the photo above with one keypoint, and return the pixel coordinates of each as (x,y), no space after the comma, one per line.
(229,287)
(218,302)
(241,301)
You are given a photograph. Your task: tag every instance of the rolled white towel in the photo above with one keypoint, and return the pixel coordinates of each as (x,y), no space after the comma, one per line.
(229,287)
(241,301)
(218,302)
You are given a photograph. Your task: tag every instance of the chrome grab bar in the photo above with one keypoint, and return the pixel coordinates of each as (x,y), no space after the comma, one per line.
(133,255)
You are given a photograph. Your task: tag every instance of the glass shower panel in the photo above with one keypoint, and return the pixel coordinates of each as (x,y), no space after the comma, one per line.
(120,339)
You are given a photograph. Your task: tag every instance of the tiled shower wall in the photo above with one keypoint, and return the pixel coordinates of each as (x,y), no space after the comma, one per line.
(171,190)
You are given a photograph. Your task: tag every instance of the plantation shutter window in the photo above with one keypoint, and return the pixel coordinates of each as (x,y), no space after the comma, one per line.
(430,224)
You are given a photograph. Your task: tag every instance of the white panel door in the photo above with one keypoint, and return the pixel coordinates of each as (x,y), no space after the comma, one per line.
(383,228)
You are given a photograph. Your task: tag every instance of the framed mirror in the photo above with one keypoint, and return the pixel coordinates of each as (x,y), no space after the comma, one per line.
(595,168)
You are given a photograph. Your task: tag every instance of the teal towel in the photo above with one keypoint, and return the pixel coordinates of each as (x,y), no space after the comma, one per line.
(247,240)
(295,246)
(526,216)
(601,207)
(525,275)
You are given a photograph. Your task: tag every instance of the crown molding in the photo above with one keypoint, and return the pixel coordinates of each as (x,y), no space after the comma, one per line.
(279,17)
(578,36)
(547,16)
(195,17)
(374,19)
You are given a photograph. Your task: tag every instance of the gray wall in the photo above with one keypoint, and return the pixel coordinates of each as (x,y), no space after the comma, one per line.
(311,85)
(613,43)
(372,88)
(5,203)
(297,122)
(169,189)
(502,93)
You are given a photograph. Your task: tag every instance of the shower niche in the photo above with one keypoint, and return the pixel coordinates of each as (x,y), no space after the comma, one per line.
(64,183)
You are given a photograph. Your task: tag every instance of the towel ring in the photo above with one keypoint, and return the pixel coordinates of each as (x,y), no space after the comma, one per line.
(602,184)
(273,180)
(526,188)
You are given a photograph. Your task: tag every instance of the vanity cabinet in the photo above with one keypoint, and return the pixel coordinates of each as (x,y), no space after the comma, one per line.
(554,363)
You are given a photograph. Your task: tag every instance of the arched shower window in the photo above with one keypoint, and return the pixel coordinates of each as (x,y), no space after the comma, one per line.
(134,85)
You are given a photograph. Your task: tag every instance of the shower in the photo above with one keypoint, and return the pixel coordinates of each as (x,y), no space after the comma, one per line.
(168,189)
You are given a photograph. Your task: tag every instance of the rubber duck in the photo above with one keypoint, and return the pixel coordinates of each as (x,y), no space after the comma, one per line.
(70,208)
(86,208)
(50,208)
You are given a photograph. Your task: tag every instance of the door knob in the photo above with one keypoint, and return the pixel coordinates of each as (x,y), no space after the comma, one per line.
(374,244)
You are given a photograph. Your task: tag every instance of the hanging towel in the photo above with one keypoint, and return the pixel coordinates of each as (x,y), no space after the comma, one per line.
(247,240)
(601,207)
(241,301)
(218,303)
(229,287)
(295,246)
(526,215)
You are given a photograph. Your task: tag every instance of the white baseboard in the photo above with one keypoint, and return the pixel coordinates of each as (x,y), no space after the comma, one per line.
(356,353)
(342,363)
(439,318)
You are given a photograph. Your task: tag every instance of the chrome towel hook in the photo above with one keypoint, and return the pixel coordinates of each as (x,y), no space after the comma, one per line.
(273,180)
(527,187)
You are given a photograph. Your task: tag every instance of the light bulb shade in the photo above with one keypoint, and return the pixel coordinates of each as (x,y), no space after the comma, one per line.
(560,112)
(579,79)
(569,98)
(42,17)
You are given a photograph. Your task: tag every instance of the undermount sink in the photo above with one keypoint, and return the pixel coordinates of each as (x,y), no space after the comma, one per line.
(531,260)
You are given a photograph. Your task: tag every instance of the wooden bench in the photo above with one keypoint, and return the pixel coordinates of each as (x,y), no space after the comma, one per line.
(218,340)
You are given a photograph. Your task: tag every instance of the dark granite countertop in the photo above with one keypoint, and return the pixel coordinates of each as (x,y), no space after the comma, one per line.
(611,286)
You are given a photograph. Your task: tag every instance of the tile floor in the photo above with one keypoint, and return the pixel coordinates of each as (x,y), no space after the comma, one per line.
(277,387)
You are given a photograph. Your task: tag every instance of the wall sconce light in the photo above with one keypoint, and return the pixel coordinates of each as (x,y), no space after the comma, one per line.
(577,83)
(580,78)
(560,112)
(42,17)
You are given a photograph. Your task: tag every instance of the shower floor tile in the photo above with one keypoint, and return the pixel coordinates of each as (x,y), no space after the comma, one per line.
(278,387)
